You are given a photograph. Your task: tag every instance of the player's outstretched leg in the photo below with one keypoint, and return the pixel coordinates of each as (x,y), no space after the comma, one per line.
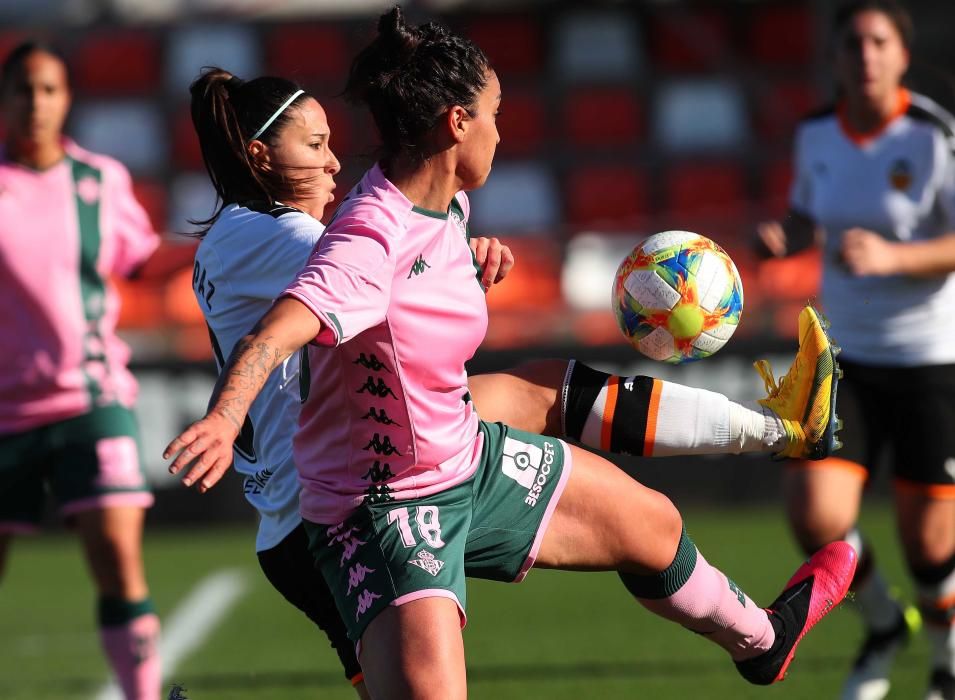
(815,589)
(805,398)
(649,417)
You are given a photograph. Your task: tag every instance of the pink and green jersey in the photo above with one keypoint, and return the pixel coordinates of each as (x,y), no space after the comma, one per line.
(402,309)
(63,232)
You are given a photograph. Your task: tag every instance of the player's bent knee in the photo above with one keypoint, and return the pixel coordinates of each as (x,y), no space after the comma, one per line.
(660,516)
(814,531)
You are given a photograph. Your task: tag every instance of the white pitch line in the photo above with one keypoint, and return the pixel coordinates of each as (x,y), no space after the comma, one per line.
(192,621)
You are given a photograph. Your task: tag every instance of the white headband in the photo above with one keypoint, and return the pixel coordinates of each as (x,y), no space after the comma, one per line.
(271,119)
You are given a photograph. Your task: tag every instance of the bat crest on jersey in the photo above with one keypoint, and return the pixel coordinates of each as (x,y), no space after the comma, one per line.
(900,175)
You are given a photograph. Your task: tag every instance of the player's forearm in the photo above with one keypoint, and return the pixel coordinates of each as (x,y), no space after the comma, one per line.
(282,331)
(927,258)
(244,375)
(801,232)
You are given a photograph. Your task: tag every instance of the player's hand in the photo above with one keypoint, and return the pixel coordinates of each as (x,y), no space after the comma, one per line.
(494,258)
(207,445)
(865,252)
(771,239)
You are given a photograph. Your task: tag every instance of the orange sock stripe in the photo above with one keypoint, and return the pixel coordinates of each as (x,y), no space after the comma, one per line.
(832,463)
(653,412)
(941,492)
(606,427)
(357,678)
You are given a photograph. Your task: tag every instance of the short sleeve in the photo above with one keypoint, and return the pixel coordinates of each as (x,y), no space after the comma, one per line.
(347,280)
(946,190)
(135,238)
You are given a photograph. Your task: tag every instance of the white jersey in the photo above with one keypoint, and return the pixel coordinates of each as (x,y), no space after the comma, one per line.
(899,183)
(244,262)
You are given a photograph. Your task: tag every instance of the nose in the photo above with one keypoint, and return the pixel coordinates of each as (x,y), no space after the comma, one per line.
(868,52)
(36,97)
(333,166)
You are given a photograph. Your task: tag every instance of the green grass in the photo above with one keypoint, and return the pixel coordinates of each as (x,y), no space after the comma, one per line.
(558,635)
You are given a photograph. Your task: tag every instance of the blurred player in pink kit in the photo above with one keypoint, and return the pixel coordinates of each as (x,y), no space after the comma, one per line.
(405,490)
(69,221)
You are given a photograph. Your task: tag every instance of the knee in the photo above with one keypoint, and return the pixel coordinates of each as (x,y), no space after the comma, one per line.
(666,524)
(670,522)
(814,530)
(116,566)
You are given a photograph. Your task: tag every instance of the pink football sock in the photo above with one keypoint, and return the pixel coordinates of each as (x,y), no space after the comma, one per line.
(133,652)
(702,599)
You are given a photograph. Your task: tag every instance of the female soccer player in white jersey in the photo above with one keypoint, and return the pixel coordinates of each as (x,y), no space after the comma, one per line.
(875,178)
(404,489)
(68,221)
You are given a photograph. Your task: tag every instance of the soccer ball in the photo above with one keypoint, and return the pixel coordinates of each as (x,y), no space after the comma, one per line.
(677,297)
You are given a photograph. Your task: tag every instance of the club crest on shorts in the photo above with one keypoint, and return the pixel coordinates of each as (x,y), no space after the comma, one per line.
(427,561)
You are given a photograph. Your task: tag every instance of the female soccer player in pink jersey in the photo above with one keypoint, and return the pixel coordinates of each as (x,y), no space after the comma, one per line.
(256,242)
(875,178)
(405,489)
(69,221)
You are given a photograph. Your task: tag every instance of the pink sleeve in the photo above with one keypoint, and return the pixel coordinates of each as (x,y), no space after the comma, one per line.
(347,280)
(136,239)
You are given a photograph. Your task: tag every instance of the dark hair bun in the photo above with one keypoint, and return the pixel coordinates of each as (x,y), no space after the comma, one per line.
(397,37)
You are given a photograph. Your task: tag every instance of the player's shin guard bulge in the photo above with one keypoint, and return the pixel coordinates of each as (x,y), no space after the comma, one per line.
(761,642)
(805,398)
(816,588)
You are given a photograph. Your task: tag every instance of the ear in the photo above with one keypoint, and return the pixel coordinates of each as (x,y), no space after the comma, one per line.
(259,153)
(458,123)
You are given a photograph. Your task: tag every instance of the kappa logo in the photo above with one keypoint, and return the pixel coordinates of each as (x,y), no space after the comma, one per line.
(356,576)
(380,417)
(419,266)
(427,561)
(528,465)
(365,600)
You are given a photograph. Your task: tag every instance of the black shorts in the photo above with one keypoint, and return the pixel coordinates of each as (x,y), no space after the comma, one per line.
(905,414)
(291,570)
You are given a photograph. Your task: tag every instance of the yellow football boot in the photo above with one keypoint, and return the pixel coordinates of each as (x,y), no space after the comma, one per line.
(805,398)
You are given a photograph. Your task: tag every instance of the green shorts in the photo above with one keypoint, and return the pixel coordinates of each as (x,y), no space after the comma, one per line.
(90,461)
(490,526)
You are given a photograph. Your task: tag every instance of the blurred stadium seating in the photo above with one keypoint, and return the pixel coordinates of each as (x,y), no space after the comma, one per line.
(619,120)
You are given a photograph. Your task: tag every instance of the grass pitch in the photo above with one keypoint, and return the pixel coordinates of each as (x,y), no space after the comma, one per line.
(557,635)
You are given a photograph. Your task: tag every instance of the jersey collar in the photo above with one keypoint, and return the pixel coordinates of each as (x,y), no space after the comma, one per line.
(860,138)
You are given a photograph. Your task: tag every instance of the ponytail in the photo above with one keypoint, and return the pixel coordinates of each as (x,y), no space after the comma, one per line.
(227,113)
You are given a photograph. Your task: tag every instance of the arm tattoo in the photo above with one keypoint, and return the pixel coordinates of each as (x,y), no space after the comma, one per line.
(244,375)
